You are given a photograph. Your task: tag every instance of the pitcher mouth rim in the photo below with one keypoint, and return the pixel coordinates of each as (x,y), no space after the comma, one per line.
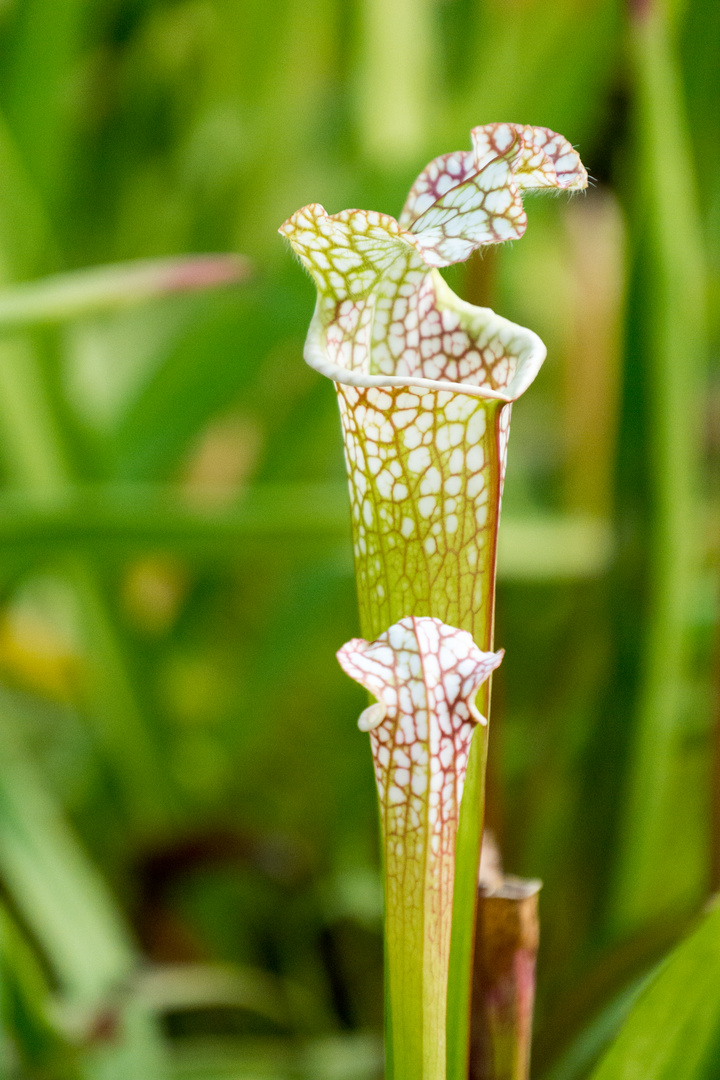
(531,361)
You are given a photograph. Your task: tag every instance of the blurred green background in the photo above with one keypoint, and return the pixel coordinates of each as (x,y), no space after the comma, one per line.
(188,853)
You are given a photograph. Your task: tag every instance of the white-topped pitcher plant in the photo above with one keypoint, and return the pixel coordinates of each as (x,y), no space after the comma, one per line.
(425,383)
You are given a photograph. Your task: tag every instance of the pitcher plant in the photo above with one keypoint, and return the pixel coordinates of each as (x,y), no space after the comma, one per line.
(425,384)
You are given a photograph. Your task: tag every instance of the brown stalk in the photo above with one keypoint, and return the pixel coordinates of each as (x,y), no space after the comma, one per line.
(503,995)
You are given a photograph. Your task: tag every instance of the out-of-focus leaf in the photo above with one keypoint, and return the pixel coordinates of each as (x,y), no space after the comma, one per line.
(24,227)
(398,71)
(135,1048)
(673,1032)
(667,323)
(170,988)
(354,1057)
(109,357)
(216,1059)
(38,460)
(107,288)
(141,516)
(224,353)
(42,46)
(514,72)
(593,1039)
(58,891)
(25,1008)
(65,903)
(341,1057)
(540,547)
(32,450)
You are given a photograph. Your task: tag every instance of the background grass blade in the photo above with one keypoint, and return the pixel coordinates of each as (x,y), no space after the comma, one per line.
(674,1029)
(672,271)
(86,292)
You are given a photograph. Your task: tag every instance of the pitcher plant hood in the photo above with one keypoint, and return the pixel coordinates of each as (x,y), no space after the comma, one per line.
(425,676)
(382,314)
(424,379)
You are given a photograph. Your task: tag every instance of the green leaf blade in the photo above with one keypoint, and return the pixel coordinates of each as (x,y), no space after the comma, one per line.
(673,1032)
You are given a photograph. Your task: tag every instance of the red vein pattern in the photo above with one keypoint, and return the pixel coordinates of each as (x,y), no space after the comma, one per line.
(425,380)
(426,471)
(425,676)
(473,197)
